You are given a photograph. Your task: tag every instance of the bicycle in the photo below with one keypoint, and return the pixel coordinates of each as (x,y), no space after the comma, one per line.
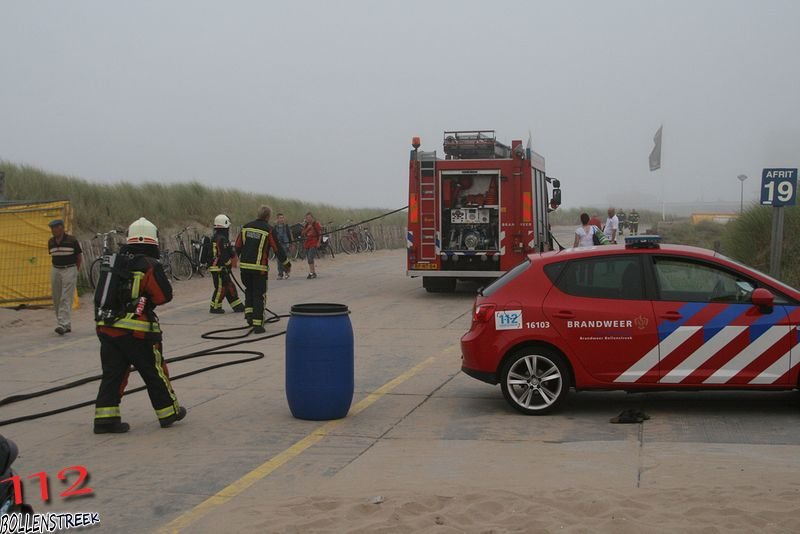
(350,239)
(367,241)
(108,250)
(326,242)
(296,249)
(164,260)
(196,244)
(180,261)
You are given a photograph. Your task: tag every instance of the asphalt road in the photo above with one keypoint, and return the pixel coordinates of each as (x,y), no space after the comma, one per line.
(417,422)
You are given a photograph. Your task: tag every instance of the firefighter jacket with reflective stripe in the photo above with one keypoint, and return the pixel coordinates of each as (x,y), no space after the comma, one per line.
(149,288)
(221,252)
(253,244)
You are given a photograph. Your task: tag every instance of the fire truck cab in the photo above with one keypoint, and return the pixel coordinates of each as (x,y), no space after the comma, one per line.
(478,212)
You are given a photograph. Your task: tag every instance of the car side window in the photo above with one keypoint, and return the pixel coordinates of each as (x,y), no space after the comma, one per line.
(689,281)
(607,277)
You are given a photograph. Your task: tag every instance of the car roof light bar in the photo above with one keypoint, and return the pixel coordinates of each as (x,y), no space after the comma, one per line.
(643,241)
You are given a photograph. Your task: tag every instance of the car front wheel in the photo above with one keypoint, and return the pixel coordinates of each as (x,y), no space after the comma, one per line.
(535,380)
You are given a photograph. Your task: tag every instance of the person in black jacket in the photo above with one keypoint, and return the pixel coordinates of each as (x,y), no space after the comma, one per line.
(283,235)
(252,246)
(220,267)
(132,337)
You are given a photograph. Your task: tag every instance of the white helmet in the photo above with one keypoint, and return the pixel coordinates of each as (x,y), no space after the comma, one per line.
(222,221)
(142,232)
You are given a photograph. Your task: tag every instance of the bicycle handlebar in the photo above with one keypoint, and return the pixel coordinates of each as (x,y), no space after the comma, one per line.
(105,234)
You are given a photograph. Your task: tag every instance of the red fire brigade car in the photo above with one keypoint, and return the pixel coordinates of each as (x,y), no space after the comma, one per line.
(639,316)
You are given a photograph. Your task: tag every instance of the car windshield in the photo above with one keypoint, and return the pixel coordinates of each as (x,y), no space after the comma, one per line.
(771,280)
(506,278)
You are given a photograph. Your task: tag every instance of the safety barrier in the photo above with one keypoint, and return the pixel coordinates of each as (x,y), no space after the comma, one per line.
(25,263)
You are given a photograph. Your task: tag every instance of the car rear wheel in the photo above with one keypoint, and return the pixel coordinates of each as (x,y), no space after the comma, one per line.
(535,380)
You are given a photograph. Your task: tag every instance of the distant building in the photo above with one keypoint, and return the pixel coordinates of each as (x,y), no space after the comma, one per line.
(721,218)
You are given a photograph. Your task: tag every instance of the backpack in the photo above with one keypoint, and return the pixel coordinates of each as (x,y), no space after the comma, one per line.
(205,251)
(598,237)
(113,292)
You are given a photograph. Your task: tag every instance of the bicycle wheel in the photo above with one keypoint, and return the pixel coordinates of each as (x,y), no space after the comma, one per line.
(349,244)
(181,265)
(164,261)
(370,243)
(94,272)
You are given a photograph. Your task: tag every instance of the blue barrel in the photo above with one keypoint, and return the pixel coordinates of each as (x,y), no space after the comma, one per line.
(319,361)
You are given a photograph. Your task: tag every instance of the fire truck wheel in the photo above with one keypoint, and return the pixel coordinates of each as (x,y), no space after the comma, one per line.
(535,380)
(433,284)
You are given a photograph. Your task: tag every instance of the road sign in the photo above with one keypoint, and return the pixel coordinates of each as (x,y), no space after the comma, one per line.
(779,187)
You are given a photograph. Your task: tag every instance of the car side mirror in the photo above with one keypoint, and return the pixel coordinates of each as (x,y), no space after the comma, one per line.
(763,299)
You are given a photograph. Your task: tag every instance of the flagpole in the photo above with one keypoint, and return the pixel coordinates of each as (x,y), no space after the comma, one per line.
(655,165)
(663,179)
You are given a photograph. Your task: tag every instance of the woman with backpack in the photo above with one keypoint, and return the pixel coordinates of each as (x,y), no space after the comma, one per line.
(588,235)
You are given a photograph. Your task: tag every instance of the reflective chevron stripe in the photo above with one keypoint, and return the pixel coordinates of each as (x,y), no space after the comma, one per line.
(749,355)
(702,354)
(650,360)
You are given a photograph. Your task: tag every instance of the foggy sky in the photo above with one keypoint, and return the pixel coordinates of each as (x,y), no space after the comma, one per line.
(319,100)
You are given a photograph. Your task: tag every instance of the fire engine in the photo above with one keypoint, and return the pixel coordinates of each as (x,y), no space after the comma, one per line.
(478,212)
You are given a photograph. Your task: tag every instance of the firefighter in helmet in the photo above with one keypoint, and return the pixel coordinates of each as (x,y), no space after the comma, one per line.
(252,246)
(220,267)
(131,335)
(634,222)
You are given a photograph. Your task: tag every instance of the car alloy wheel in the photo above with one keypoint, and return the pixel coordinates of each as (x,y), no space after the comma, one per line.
(534,380)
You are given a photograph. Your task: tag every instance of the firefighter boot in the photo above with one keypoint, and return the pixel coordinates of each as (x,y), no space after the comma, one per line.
(238,308)
(216,310)
(117,427)
(167,421)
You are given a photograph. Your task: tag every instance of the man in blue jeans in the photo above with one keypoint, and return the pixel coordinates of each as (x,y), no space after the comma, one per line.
(312,232)
(283,235)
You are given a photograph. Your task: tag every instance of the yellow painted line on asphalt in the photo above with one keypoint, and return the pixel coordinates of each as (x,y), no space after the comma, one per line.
(91,338)
(236,488)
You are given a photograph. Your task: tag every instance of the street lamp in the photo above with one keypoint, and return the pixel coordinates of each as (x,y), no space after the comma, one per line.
(742,178)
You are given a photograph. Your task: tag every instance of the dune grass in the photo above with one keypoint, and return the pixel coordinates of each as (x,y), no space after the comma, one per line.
(99,207)
(747,239)
(571,216)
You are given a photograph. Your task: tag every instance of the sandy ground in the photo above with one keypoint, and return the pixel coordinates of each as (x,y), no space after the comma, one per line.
(424,449)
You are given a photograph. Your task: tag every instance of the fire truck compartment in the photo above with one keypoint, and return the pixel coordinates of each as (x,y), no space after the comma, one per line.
(470,221)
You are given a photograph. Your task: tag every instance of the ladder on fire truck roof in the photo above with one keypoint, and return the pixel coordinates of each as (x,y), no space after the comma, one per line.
(427,205)
(474,144)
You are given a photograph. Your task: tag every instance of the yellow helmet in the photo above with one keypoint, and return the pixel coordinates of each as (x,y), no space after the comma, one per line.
(142,232)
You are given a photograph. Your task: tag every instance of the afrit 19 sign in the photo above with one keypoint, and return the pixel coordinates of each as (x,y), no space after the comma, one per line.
(779,187)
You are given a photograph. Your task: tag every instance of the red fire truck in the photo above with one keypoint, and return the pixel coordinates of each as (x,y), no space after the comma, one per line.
(476,213)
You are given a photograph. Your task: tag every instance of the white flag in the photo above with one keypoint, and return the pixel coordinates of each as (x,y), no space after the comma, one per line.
(655,155)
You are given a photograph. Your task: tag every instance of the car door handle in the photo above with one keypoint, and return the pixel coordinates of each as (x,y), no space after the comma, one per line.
(564,314)
(672,316)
